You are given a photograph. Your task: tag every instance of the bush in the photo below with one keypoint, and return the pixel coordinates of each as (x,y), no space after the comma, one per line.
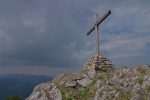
(15,97)
(142,70)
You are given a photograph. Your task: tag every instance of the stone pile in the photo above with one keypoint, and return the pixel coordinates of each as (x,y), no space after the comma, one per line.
(99,63)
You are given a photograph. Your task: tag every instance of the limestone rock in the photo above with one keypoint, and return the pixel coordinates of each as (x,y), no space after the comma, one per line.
(99,80)
(45,91)
(81,81)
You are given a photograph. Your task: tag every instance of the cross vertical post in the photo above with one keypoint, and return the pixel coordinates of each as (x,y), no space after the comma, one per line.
(97,36)
(95,27)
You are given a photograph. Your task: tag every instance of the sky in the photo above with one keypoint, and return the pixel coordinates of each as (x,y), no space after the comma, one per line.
(48,37)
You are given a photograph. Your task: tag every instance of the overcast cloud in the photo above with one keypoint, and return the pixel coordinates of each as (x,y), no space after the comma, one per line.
(49,36)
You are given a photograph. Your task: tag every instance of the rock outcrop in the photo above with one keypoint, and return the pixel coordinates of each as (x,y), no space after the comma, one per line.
(99,80)
(46,91)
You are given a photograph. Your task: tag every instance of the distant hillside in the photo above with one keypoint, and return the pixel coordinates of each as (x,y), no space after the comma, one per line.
(21,85)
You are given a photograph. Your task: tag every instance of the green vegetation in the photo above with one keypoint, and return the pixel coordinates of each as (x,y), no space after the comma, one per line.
(101,69)
(15,97)
(109,89)
(140,81)
(124,95)
(103,78)
(143,93)
(142,70)
(46,93)
(70,93)
(69,98)
(148,89)
(123,75)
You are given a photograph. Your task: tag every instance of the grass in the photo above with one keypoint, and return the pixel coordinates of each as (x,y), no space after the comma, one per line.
(101,69)
(46,93)
(109,89)
(103,78)
(123,75)
(142,70)
(70,93)
(148,89)
(123,95)
(140,81)
(93,83)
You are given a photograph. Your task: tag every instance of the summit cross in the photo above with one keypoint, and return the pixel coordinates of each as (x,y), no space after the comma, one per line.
(95,27)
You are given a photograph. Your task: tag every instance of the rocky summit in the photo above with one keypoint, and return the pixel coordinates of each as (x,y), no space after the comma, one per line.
(99,80)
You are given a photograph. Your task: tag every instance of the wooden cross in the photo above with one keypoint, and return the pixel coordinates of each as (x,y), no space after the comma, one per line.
(95,27)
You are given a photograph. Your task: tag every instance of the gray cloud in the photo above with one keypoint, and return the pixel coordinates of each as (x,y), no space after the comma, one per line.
(52,33)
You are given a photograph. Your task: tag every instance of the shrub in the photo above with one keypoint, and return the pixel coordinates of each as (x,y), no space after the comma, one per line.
(141,70)
(15,97)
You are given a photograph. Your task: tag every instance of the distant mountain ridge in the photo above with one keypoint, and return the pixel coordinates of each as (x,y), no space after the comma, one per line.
(19,84)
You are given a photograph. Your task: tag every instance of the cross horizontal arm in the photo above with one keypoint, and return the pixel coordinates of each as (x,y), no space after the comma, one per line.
(99,21)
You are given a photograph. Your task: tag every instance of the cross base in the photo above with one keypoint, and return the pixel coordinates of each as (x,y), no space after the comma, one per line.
(99,63)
